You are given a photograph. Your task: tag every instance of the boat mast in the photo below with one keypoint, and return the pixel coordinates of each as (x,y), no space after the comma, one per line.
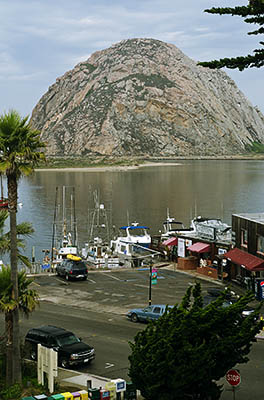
(75,238)
(54,225)
(63,213)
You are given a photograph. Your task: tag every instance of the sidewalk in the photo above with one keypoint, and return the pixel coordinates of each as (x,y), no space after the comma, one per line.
(67,377)
(81,381)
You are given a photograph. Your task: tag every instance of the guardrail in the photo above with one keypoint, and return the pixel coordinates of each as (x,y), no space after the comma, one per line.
(38,268)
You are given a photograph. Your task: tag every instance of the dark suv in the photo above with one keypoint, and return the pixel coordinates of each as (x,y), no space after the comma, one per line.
(71,350)
(73,269)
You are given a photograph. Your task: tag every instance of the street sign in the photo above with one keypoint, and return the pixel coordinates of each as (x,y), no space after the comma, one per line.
(233,377)
(154,276)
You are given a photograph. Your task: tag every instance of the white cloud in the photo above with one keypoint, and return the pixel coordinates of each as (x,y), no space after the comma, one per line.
(41,39)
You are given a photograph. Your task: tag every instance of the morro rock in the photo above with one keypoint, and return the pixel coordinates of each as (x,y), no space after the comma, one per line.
(145,97)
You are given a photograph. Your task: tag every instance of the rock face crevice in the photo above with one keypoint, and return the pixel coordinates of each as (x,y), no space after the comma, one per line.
(145,97)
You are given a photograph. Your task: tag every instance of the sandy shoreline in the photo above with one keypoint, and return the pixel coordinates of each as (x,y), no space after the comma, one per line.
(108,168)
(104,168)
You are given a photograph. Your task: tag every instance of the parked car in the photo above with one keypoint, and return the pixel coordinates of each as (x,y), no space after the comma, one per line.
(207,299)
(72,268)
(71,350)
(149,313)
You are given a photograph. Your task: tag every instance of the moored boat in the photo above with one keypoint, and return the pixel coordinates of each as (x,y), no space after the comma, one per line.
(97,250)
(133,245)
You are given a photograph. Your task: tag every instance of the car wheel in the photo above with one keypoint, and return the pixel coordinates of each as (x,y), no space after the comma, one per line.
(64,363)
(33,354)
(134,318)
(85,278)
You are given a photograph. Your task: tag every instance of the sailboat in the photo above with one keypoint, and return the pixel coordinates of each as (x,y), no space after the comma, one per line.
(64,241)
(97,250)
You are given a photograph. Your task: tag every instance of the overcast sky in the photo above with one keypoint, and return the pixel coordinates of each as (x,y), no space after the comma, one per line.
(42,39)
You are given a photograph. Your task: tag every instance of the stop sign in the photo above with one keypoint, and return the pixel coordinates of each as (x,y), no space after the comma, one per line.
(233,377)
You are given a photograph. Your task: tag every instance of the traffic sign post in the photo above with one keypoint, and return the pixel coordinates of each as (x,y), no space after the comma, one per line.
(150,279)
(154,276)
(233,378)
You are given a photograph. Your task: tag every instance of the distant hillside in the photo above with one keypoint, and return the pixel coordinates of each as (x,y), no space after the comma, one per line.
(145,97)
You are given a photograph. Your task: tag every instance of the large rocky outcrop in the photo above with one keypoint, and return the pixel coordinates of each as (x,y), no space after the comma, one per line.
(145,97)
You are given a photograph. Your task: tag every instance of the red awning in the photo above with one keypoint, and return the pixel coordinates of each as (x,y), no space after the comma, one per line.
(246,260)
(173,241)
(199,247)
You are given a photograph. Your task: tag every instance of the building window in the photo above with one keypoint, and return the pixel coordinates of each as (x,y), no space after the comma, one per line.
(244,238)
(260,244)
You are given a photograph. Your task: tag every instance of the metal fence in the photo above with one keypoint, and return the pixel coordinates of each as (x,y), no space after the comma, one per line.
(37,268)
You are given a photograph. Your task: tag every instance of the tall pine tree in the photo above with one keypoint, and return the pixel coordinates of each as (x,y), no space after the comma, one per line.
(253,13)
(183,354)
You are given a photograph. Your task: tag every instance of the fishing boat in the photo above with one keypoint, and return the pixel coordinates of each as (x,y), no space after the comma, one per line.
(211,228)
(64,239)
(97,250)
(171,227)
(133,244)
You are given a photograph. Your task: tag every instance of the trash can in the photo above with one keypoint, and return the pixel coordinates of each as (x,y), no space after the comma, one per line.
(94,394)
(40,397)
(131,391)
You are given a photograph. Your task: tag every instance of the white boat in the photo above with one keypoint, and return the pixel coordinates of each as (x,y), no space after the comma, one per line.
(172,227)
(97,250)
(133,244)
(64,241)
(211,228)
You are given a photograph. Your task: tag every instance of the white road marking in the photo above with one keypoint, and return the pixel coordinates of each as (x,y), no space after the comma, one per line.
(108,365)
(114,277)
(90,280)
(145,286)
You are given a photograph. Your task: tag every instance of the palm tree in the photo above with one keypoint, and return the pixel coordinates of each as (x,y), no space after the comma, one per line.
(19,153)
(23,229)
(27,301)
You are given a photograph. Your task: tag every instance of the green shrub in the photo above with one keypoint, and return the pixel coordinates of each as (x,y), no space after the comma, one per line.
(12,392)
(255,147)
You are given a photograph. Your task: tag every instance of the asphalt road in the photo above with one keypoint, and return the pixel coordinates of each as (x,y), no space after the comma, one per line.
(95,310)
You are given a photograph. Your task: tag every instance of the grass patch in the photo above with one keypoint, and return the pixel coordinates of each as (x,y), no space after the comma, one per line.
(255,147)
(86,162)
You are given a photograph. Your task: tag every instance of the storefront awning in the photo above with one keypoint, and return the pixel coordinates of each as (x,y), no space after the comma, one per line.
(246,260)
(199,247)
(173,241)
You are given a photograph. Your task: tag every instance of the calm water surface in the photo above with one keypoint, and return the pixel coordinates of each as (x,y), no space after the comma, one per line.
(207,188)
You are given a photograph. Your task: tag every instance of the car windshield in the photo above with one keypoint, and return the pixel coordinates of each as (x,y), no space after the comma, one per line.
(67,339)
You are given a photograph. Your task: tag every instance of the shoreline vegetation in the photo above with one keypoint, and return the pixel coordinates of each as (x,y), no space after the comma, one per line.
(110,163)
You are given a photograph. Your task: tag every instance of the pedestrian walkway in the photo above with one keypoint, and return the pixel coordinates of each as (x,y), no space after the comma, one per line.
(68,377)
(193,273)
(82,381)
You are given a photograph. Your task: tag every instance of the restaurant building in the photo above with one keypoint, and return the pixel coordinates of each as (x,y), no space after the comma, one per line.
(246,258)
(203,247)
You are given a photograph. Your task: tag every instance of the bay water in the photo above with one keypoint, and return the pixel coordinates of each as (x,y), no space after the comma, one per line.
(210,188)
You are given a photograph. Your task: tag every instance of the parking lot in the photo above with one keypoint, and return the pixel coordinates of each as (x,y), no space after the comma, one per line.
(117,291)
